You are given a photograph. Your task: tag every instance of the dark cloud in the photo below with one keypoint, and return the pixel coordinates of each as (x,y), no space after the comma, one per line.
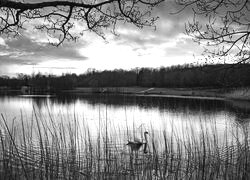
(168,27)
(9,60)
(171,22)
(25,51)
(40,49)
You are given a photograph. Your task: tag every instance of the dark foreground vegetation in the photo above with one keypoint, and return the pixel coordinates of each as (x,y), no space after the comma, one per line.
(206,76)
(48,149)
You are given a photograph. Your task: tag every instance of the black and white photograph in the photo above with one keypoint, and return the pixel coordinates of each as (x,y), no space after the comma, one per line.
(125,89)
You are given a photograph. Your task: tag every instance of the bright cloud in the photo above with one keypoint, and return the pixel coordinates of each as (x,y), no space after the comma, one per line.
(2,42)
(165,46)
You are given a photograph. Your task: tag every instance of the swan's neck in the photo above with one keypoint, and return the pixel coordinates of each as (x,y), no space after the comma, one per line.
(146,143)
(146,138)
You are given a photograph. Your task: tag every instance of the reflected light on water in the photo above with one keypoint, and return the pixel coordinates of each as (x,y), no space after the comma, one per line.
(127,115)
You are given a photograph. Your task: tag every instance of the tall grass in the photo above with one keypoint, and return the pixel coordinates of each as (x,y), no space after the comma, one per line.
(50,149)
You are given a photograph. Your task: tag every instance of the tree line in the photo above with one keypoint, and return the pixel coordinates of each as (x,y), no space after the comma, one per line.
(181,76)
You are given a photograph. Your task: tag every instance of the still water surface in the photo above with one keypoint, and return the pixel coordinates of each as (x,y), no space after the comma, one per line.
(130,113)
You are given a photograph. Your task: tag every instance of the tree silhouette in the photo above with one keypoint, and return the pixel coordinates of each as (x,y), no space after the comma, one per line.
(223,26)
(69,19)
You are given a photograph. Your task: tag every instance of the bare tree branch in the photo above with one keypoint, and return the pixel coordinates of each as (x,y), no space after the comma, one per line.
(223,24)
(58,18)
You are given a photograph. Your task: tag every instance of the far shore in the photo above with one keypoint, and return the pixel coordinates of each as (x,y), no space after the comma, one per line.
(197,93)
(201,93)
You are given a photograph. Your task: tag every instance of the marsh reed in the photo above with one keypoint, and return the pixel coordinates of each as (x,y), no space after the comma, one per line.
(44,148)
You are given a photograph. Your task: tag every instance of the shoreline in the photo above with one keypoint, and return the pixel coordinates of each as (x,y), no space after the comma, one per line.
(184,97)
(240,94)
(192,93)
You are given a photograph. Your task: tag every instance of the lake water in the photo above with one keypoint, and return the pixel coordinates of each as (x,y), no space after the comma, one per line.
(131,115)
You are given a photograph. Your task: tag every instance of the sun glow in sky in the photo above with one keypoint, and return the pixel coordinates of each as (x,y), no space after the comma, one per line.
(132,48)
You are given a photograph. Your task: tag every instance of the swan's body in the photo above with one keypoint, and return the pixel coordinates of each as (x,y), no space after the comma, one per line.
(137,144)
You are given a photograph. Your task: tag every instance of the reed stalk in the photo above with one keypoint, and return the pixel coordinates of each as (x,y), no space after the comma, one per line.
(52,149)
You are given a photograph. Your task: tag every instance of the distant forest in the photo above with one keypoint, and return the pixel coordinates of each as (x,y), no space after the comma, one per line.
(181,76)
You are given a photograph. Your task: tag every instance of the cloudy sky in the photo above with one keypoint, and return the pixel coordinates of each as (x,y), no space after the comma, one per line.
(167,45)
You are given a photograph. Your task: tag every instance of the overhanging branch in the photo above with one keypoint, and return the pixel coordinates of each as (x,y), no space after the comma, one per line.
(58,18)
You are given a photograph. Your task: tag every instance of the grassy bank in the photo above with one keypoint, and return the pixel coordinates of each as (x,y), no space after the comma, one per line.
(48,149)
(240,93)
(230,93)
(195,92)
